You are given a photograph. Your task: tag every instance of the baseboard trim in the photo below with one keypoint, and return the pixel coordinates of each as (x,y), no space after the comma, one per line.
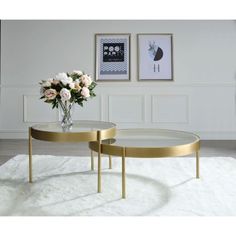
(214,135)
(10,134)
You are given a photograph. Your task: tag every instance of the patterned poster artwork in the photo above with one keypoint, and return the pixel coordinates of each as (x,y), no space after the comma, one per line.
(113,52)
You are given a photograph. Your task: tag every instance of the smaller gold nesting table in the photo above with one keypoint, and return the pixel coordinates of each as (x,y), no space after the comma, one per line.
(81,131)
(148,143)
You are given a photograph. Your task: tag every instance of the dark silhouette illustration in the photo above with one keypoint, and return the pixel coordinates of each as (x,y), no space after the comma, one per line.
(156,53)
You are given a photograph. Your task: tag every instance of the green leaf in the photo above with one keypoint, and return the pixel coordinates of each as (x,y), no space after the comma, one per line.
(48,101)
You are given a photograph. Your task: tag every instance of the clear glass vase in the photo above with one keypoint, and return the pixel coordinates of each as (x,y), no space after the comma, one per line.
(65,112)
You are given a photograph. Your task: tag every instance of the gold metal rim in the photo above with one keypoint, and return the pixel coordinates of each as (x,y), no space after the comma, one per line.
(149,152)
(72,137)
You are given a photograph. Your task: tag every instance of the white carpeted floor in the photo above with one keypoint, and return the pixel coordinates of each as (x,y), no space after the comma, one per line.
(162,187)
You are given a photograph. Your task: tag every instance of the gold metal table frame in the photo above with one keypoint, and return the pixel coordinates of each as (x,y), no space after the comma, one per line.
(109,147)
(94,133)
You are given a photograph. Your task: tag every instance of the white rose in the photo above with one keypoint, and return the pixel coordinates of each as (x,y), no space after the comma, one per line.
(70,80)
(85,92)
(50,80)
(50,94)
(78,72)
(46,84)
(65,94)
(64,78)
(86,80)
(72,85)
(61,76)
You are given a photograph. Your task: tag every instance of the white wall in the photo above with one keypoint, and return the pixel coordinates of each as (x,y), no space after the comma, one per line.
(201,99)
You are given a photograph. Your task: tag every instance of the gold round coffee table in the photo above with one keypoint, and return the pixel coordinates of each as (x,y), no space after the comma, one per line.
(81,131)
(149,143)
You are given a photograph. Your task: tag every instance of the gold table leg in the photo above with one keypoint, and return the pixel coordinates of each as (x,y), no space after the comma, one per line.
(92,160)
(99,161)
(123,174)
(30,156)
(110,162)
(197,165)
(110,159)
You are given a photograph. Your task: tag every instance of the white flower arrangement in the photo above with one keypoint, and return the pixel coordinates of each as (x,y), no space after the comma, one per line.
(75,87)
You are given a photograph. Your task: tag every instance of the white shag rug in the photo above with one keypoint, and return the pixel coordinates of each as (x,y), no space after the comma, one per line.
(65,186)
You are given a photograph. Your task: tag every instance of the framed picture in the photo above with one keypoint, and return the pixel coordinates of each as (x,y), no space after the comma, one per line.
(112,57)
(155,57)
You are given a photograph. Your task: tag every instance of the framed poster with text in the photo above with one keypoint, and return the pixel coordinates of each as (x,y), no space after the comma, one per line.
(112,57)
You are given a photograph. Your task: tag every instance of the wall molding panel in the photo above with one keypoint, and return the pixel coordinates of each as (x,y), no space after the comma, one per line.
(170,109)
(92,110)
(126,108)
(35,110)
